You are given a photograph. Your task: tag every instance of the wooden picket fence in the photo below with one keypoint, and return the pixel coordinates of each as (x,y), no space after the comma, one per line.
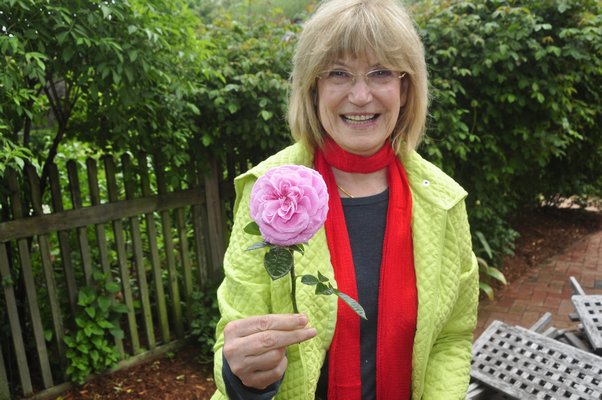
(158,239)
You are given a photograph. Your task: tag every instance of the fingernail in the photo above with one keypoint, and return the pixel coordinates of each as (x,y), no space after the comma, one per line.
(303,320)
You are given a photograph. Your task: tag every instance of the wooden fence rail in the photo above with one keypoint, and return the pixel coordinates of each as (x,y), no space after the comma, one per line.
(159,240)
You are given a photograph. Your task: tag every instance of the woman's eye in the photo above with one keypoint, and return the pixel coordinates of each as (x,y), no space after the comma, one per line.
(337,73)
(381,74)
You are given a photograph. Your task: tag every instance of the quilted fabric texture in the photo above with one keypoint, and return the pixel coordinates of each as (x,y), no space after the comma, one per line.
(446,274)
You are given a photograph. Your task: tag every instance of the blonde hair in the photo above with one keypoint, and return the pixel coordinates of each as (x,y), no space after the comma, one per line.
(358,28)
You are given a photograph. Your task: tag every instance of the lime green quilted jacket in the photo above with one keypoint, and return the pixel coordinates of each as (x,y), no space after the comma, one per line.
(446,274)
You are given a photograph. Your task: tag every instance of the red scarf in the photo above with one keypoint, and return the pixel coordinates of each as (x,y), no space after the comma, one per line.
(397,297)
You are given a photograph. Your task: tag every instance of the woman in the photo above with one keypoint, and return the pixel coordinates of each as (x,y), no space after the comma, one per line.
(396,237)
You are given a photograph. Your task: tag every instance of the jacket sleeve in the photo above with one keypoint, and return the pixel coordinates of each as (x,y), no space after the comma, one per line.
(245,290)
(448,371)
(238,391)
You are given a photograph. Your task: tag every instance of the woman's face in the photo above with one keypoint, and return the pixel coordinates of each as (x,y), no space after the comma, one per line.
(360,114)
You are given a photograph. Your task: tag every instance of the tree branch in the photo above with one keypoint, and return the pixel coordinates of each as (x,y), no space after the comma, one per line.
(53,105)
(50,158)
(62,116)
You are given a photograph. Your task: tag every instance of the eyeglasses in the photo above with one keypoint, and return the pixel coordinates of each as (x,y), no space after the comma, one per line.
(375,79)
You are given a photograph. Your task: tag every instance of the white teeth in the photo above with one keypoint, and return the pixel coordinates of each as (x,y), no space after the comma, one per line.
(360,118)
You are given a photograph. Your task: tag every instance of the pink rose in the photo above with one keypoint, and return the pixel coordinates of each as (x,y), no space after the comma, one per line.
(289,204)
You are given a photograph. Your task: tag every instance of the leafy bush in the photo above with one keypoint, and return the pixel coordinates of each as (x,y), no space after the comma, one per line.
(487,273)
(243,100)
(12,155)
(246,9)
(89,347)
(119,75)
(204,318)
(516,107)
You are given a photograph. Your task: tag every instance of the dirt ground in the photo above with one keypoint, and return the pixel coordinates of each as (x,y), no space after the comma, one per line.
(544,233)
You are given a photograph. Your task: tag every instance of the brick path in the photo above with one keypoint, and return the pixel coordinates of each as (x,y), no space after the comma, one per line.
(547,288)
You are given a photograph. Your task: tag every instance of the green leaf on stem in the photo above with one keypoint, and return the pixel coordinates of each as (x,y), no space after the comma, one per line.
(117,333)
(252,228)
(322,278)
(112,287)
(309,280)
(323,289)
(485,287)
(120,308)
(278,262)
(496,274)
(104,303)
(298,248)
(355,306)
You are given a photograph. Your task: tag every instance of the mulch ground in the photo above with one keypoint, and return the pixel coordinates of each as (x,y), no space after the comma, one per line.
(544,233)
(180,376)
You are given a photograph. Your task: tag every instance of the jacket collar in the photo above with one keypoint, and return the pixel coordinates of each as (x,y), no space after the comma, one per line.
(426,180)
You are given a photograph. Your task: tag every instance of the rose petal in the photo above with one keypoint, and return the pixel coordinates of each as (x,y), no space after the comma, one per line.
(290,204)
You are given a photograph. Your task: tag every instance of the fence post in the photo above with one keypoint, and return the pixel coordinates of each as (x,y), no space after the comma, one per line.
(82,235)
(214,219)
(4,390)
(136,238)
(65,247)
(172,272)
(30,286)
(122,256)
(51,287)
(15,324)
(151,230)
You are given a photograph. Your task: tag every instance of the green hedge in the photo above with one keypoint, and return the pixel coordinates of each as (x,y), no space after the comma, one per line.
(243,99)
(516,110)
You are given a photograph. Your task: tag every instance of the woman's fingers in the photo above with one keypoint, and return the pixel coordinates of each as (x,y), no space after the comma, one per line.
(255,347)
(266,365)
(266,361)
(263,378)
(262,342)
(257,335)
(262,323)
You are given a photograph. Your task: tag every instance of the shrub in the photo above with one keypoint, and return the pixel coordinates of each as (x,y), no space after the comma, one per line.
(243,100)
(89,347)
(516,104)
(204,318)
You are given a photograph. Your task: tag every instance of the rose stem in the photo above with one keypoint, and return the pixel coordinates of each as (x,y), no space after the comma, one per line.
(294,286)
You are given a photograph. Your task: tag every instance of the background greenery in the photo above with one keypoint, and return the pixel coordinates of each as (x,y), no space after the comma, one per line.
(515,110)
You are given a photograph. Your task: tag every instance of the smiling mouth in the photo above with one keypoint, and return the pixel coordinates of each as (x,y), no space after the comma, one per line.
(359,119)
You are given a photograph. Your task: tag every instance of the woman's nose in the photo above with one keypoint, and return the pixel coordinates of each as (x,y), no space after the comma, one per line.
(360,92)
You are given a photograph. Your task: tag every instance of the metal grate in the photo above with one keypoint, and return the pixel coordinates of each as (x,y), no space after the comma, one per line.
(589,308)
(526,365)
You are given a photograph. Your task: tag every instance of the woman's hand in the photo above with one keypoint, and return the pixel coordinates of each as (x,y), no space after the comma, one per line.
(255,347)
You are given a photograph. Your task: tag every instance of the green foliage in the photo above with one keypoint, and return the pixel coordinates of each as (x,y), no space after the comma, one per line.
(516,107)
(324,287)
(243,99)
(12,155)
(115,74)
(246,9)
(487,273)
(204,318)
(89,345)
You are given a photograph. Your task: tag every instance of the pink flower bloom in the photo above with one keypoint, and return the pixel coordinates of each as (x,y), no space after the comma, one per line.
(289,203)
